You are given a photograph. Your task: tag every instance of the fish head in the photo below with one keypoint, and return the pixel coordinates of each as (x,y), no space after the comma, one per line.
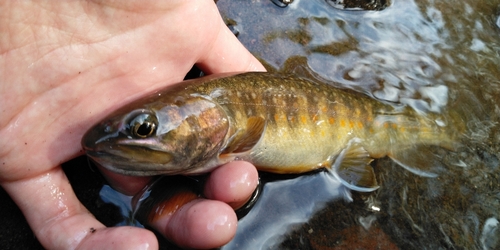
(164,135)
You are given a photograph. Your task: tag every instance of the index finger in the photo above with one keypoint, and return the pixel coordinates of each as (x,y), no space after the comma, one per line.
(59,219)
(227,54)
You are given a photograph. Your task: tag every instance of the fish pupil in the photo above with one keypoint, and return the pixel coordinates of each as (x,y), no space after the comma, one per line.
(145,129)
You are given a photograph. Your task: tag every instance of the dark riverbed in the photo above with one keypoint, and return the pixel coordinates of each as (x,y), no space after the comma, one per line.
(430,55)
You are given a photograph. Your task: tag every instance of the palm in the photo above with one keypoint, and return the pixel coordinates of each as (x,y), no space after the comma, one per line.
(63,72)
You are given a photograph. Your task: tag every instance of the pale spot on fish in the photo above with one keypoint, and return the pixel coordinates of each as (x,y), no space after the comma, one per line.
(238,115)
(253,95)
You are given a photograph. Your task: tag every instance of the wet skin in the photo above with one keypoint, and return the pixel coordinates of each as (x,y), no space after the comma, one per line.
(273,121)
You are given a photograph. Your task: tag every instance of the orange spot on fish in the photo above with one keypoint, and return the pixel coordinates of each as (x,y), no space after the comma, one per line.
(342,123)
(351,124)
(386,125)
(315,118)
(331,120)
(394,125)
(276,117)
(324,109)
(360,125)
(402,129)
(303,119)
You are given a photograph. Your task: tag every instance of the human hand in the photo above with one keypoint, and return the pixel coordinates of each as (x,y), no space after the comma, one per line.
(64,66)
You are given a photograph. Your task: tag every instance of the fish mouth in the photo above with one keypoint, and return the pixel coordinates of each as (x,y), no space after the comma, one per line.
(120,154)
(131,160)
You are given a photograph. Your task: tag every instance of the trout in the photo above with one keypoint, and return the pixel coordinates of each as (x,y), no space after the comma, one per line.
(281,124)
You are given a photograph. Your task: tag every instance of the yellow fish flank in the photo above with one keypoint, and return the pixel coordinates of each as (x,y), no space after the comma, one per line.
(280,124)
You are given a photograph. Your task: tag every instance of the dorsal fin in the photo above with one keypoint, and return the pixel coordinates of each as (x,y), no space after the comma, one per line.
(244,140)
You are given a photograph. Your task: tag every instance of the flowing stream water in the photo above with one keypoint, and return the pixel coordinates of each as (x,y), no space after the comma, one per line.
(433,55)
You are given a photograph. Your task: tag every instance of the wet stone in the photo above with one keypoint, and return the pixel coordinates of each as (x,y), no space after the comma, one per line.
(282,3)
(359,4)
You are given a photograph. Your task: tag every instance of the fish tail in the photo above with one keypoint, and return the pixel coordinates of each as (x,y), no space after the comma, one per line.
(470,120)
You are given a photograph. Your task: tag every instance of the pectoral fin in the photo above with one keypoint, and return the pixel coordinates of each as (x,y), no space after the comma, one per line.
(352,168)
(244,140)
(419,160)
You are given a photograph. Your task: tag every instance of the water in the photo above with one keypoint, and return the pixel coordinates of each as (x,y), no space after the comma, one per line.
(431,55)
(285,204)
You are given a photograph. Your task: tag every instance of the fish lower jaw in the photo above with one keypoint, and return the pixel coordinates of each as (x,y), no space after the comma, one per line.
(125,166)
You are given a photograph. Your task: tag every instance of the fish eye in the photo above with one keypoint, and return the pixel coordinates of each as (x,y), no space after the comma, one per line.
(143,125)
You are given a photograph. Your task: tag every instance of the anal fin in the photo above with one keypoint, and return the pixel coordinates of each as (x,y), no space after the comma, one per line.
(352,167)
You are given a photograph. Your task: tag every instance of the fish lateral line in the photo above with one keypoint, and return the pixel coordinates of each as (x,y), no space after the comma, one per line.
(282,124)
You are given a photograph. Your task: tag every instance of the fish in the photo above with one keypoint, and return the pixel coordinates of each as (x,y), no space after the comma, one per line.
(280,123)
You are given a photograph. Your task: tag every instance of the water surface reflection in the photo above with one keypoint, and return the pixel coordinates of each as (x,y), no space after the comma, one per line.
(431,55)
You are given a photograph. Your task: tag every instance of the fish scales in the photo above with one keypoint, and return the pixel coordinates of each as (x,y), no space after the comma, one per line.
(281,124)
(310,122)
